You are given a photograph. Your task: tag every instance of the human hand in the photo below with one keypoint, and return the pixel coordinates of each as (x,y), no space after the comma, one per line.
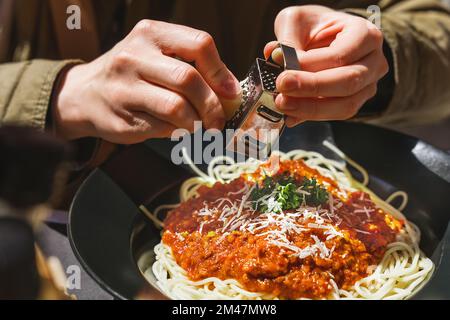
(141,89)
(341,59)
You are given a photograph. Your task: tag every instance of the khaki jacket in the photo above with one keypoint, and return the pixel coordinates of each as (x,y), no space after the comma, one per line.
(33,50)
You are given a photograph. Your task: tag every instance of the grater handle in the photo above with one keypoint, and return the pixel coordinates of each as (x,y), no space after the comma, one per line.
(290,59)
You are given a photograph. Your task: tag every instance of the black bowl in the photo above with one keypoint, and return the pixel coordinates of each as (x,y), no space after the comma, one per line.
(108,233)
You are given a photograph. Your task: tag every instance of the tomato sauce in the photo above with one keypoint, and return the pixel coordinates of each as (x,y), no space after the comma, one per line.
(204,249)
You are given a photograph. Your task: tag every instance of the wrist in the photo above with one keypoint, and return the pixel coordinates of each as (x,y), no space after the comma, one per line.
(68,119)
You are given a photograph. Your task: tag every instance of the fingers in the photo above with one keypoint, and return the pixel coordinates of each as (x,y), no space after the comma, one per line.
(184,79)
(341,61)
(336,82)
(133,127)
(338,108)
(269,48)
(291,27)
(164,105)
(301,26)
(352,43)
(150,127)
(323,37)
(273,51)
(194,46)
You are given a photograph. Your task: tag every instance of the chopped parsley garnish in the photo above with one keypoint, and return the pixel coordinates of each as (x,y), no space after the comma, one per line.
(317,194)
(283,192)
(288,197)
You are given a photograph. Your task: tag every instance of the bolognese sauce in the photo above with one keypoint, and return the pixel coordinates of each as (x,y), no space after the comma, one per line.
(290,247)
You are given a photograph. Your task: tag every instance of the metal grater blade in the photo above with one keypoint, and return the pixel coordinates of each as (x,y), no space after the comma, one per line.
(257,123)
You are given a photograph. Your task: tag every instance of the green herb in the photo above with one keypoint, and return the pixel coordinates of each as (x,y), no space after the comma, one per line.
(268,184)
(317,194)
(285,191)
(288,197)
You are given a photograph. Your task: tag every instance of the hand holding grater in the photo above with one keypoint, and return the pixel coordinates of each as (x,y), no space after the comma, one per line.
(257,124)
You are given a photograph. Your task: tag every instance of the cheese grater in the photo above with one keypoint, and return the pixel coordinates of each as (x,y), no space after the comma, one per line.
(257,124)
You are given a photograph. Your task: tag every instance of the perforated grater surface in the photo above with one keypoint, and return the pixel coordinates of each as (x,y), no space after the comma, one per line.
(257,124)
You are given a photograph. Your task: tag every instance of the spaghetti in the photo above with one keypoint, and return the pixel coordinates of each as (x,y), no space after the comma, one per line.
(223,243)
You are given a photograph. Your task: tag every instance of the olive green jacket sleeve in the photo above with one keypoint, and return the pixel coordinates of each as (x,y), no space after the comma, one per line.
(26,90)
(418,35)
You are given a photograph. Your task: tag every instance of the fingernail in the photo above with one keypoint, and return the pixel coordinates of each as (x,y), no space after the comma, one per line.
(281,103)
(288,82)
(277,56)
(231,87)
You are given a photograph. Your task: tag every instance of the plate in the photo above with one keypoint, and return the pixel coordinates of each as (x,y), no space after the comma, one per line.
(109,234)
